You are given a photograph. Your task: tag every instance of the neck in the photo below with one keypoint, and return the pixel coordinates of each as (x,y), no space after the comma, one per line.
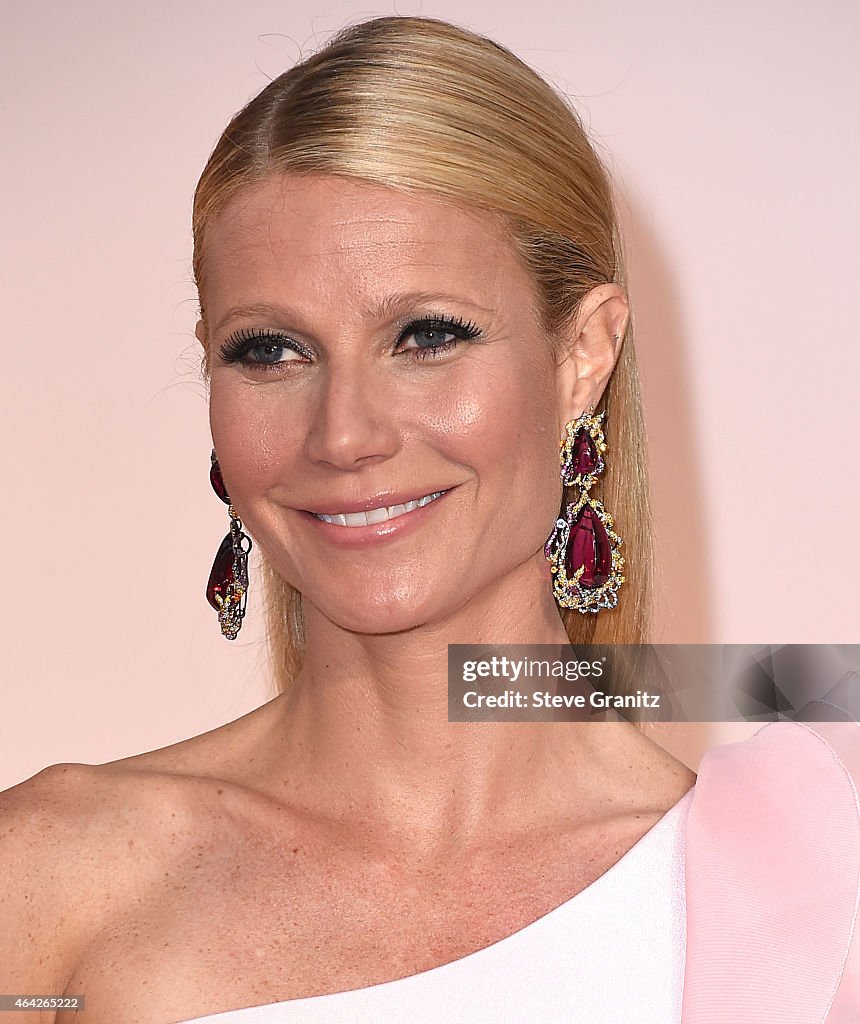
(363,734)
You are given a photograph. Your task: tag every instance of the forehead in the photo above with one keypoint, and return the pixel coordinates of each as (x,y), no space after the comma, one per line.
(327,238)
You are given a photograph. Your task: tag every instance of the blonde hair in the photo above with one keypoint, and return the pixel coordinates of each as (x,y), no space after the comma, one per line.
(422,105)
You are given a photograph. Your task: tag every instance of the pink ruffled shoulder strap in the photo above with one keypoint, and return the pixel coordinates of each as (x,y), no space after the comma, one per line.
(773,879)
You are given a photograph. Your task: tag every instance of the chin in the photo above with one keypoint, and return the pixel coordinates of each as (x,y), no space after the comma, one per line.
(391,611)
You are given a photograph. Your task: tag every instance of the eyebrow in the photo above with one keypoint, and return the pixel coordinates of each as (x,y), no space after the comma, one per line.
(388,309)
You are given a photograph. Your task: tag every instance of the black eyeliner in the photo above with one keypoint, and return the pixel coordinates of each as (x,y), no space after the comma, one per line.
(436,322)
(464,329)
(240,343)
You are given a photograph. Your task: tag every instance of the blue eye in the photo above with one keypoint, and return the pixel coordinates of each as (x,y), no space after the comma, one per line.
(237,347)
(438,327)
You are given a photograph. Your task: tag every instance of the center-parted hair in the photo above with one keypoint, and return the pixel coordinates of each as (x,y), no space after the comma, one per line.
(438,111)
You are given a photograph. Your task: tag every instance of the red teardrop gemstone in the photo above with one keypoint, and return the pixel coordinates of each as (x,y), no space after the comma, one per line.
(222,572)
(584,454)
(588,545)
(217,482)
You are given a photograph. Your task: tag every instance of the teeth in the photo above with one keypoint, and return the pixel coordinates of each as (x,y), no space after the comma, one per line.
(377,515)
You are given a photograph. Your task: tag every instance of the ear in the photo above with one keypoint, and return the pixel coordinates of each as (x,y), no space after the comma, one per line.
(590,350)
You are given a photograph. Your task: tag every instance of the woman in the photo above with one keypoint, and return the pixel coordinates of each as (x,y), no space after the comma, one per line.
(412,303)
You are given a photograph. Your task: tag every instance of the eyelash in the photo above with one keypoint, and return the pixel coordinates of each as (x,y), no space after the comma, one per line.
(236,348)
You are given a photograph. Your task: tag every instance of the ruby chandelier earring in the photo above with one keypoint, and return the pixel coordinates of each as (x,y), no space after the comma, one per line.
(227,588)
(583,549)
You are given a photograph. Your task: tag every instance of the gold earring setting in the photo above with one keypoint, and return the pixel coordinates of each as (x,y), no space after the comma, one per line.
(583,549)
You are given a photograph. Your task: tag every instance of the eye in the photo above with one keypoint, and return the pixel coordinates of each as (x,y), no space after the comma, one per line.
(268,348)
(444,334)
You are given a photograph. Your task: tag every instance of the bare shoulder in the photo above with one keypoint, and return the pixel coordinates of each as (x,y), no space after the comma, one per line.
(78,844)
(68,808)
(41,856)
(42,824)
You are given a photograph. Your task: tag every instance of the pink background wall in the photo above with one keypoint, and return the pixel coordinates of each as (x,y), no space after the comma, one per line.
(729,129)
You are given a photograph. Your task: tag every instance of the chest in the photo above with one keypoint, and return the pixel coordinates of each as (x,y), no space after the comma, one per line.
(247,922)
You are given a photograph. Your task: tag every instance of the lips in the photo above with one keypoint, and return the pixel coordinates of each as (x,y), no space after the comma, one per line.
(378,515)
(358,535)
(382,499)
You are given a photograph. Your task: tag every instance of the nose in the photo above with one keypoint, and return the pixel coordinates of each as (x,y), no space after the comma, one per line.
(354,418)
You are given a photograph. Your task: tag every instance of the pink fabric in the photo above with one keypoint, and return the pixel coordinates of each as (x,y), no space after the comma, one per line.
(773,879)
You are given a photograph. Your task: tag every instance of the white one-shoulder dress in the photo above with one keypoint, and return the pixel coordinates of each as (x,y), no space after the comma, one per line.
(612,954)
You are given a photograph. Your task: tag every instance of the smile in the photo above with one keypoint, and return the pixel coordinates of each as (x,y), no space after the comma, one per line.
(377,515)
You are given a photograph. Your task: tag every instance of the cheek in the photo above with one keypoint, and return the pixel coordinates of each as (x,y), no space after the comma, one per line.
(248,431)
(503,427)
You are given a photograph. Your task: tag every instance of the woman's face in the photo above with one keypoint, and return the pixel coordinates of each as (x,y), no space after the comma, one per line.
(342,402)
